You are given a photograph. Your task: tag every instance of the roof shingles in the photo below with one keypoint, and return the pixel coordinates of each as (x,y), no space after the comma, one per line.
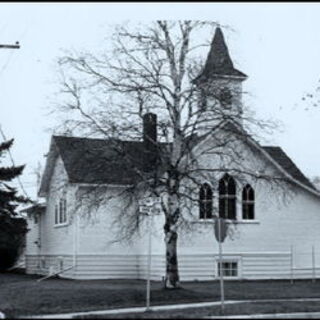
(219,62)
(99,160)
(288,165)
(118,162)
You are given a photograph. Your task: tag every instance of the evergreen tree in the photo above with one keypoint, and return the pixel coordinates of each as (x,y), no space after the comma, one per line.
(12,229)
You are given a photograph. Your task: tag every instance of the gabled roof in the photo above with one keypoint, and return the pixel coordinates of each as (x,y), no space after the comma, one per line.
(276,154)
(288,165)
(101,161)
(96,161)
(35,208)
(219,62)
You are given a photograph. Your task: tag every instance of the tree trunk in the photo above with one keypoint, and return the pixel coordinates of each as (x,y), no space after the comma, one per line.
(171,237)
(172,273)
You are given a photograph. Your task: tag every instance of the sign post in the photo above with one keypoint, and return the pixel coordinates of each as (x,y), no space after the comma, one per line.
(148,207)
(313,265)
(149,260)
(221,270)
(220,231)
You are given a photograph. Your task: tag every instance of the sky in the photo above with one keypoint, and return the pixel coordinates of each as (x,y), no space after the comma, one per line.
(276,44)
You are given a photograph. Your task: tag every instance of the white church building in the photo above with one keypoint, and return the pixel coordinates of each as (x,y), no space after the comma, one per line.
(275,231)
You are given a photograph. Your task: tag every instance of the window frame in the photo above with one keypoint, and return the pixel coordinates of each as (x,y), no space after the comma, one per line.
(230,269)
(61,217)
(56,214)
(207,201)
(227,197)
(247,203)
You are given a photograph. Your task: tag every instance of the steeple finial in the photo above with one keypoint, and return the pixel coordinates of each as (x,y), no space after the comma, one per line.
(219,62)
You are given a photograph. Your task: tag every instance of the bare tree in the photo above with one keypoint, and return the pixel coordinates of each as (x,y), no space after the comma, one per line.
(156,69)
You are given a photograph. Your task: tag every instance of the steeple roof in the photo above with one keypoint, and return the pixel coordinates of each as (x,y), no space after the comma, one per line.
(219,62)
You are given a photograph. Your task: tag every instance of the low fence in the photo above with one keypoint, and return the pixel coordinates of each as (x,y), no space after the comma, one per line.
(303,264)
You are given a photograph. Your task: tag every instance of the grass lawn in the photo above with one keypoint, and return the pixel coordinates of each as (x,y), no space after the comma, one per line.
(22,295)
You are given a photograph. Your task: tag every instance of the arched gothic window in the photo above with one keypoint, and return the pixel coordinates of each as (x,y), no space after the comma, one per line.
(227,198)
(248,203)
(205,202)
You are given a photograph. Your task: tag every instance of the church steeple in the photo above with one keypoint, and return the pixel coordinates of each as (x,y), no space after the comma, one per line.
(219,86)
(219,62)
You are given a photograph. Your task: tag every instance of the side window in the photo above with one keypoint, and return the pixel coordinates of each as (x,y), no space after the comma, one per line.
(205,202)
(227,198)
(248,203)
(61,212)
(56,214)
(228,268)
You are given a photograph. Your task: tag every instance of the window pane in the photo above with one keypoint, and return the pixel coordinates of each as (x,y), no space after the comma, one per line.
(231,186)
(64,210)
(245,194)
(56,218)
(205,202)
(248,211)
(229,269)
(250,194)
(245,211)
(208,209)
(227,197)
(222,208)
(60,212)
(202,210)
(201,193)
(232,208)
(222,186)
(251,211)
(248,203)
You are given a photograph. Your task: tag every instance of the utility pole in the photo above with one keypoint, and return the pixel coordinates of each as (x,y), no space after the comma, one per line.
(220,232)
(221,268)
(10,46)
(149,258)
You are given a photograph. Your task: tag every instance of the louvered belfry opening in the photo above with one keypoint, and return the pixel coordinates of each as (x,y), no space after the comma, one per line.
(150,141)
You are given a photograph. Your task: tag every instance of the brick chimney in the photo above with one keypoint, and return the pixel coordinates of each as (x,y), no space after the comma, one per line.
(150,141)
